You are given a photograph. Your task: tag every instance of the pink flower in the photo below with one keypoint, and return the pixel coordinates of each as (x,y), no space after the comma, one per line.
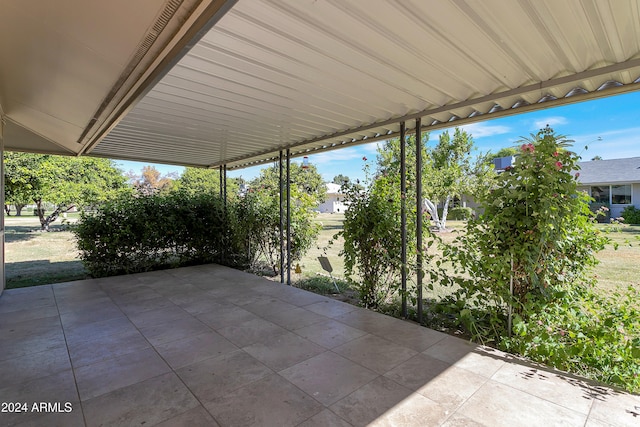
(555,154)
(577,175)
(559,165)
(527,147)
(364,158)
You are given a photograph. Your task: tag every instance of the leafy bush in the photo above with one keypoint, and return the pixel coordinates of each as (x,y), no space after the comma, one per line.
(135,234)
(601,212)
(460,213)
(586,333)
(631,215)
(529,254)
(372,241)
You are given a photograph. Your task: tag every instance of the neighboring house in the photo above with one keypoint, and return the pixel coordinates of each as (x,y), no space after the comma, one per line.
(614,182)
(334,200)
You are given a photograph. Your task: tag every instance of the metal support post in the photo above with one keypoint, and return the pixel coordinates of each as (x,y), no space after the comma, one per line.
(288,217)
(420,245)
(403,216)
(281,206)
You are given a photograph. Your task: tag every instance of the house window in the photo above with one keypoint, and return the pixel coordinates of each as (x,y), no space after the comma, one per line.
(612,194)
(600,194)
(621,194)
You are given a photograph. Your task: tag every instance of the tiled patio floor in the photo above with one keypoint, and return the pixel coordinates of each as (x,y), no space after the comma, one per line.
(208,345)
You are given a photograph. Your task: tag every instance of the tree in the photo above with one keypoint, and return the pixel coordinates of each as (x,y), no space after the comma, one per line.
(340,179)
(19,180)
(447,169)
(308,181)
(595,158)
(195,181)
(151,181)
(66,182)
(263,221)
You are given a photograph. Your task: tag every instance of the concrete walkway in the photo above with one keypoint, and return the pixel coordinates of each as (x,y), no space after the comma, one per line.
(208,346)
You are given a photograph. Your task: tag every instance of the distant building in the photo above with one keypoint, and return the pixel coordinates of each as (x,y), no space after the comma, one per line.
(614,182)
(334,201)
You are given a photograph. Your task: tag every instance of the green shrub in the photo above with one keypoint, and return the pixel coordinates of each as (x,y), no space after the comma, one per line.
(530,254)
(136,234)
(631,215)
(460,214)
(600,212)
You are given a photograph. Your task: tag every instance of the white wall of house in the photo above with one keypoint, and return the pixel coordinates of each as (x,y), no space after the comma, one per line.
(616,209)
(334,203)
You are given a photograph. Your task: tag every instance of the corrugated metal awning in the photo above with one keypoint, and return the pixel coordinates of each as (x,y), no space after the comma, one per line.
(314,75)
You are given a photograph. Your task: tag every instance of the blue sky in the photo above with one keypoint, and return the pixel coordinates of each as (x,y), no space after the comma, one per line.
(616,120)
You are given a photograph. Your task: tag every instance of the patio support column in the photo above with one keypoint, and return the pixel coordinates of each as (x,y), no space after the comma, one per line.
(403,215)
(288,217)
(419,247)
(281,210)
(221,179)
(224,186)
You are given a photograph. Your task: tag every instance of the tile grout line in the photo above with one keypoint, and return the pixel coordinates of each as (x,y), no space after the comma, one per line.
(73,371)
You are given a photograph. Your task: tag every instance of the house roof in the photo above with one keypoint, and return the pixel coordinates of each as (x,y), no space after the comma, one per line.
(225,82)
(610,171)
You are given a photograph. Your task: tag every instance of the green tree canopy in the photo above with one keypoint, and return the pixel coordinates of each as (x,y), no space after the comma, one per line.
(307,180)
(340,179)
(205,181)
(65,182)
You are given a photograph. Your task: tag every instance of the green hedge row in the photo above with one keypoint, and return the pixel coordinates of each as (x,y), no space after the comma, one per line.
(136,234)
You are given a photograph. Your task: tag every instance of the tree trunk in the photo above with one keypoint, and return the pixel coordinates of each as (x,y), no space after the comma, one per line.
(7,210)
(45,221)
(19,208)
(433,211)
(445,211)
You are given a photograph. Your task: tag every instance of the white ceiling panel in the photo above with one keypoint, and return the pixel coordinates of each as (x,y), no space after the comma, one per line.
(260,76)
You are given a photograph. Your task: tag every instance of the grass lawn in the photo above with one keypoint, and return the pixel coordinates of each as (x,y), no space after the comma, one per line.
(35,258)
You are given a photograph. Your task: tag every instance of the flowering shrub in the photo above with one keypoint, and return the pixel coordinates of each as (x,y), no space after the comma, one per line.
(529,255)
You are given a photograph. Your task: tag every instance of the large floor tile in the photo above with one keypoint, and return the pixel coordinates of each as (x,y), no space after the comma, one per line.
(216,377)
(96,312)
(58,388)
(251,332)
(294,319)
(329,333)
(375,353)
(92,351)
(193,349)
(145,403)
(370,401)
(328,377)
(570,393)
(196,417)
(155,317)
(500,405)
(463,354)
(616,408)
(34,365)
(440,382)
(271,401)
(284,350)
(324,419)
(111,374)
(98,330)
(229,315)
(415,410)
(171,331)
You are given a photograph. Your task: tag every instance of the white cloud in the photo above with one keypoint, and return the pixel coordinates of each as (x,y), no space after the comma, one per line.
(482,130)
(551,121)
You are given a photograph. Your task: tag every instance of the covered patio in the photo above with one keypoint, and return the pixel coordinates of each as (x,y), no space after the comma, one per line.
(209,345)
